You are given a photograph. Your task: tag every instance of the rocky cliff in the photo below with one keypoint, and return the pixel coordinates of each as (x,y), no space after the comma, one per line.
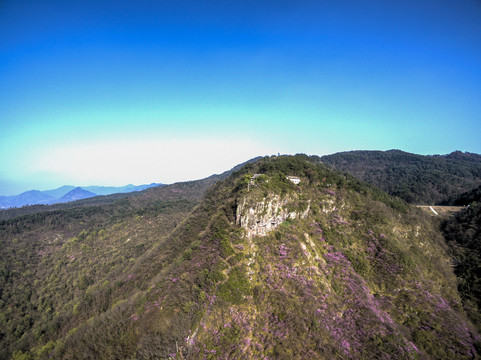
(259,218)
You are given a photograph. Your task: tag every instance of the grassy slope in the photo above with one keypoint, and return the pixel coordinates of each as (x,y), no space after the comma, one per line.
(363,276)
(417,179)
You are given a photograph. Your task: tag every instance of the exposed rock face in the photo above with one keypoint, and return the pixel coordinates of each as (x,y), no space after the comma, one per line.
(262,217)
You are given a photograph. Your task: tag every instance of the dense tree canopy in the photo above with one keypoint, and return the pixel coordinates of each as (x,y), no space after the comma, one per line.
(417,179)
(463,234)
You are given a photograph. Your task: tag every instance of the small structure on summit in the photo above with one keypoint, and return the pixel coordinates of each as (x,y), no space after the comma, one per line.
(294,179)
(253,178)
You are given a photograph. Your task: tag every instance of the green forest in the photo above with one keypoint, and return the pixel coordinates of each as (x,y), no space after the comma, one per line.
(418,179)
(463,235)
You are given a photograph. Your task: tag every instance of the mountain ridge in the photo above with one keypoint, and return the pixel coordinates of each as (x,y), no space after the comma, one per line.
(418,179)
(348,272)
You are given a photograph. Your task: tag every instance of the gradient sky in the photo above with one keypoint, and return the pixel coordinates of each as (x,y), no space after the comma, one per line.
(117,92)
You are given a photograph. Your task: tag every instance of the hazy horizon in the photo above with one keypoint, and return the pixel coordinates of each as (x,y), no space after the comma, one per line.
(111,93)
(54,187)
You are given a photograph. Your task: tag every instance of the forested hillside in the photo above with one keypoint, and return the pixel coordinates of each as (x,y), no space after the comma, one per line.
(257,268)
(466,198)
(463,234)
(33,241)
(417,179)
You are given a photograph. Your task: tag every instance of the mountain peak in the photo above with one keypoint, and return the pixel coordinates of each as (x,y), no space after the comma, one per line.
(76,194)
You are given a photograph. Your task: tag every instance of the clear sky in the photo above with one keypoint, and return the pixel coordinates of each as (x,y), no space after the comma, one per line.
(117,92)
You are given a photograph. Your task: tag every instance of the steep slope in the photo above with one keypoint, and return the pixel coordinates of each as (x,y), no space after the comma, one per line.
(463,235)
(261,268)
(417,179)
(76,194)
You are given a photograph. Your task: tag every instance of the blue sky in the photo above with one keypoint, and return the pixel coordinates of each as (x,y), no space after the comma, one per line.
(116,92)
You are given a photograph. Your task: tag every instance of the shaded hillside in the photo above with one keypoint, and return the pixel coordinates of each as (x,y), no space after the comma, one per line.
(463,235)
(417,179)
(465,198)
(260,268)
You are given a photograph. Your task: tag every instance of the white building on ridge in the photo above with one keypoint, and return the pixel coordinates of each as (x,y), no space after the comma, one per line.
(294,179)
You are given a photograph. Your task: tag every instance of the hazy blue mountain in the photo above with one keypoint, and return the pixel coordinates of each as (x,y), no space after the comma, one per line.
(76,194)
(59,192)
(26,198)
(36,197)
(107,190)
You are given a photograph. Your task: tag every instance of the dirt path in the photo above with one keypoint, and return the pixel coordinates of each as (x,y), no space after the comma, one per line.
(436,210)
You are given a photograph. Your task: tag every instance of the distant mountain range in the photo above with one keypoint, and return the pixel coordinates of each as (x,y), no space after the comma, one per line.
(66,193)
